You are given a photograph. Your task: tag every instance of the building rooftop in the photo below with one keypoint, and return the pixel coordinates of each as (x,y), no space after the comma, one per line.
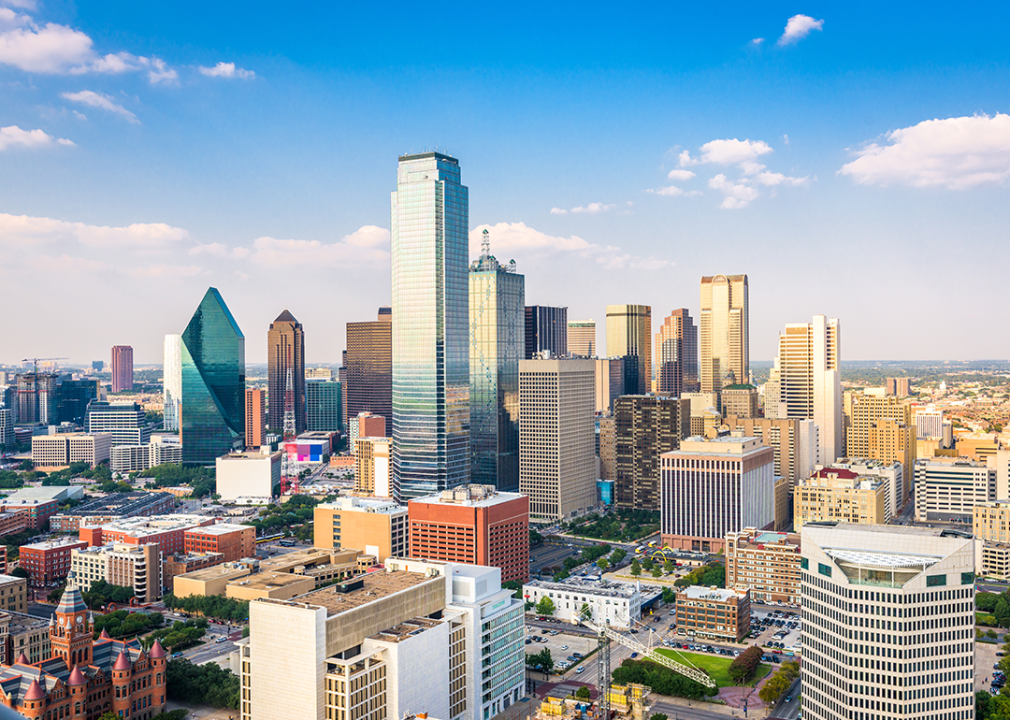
(364,504)
(54,543)
(20,622)
(407,628)
(119,504)
(154,525)
(470,496)
(224,570)
(4,579)
(701,592)
(734,443)
(237,456)
(34,495)
(220,529)
(362,590)
(604,588)
(751,536)
(270,580)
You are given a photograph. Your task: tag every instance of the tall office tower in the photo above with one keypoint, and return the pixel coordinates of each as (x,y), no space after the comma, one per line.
(888,623)
(607,447)
(255,418)
(557,443)
(285,351)
(928,423)
(629,335)
(366,378)
(711,487)
(805,382)
(342,378)
(645,427)
(724,332)
(862,410)
(37,398)
(609,382)
(322,405)
(546,329)
(98,365)
(893,442)
(900,387)
(794,443)
(582,338)
(212,417)
(677,354)
(171,378)
(125,423)
(122,368)
(7,439)
(497,344)
(431,348)
(73,397)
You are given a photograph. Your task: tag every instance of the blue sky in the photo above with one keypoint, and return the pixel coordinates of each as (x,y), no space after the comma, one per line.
(853,162)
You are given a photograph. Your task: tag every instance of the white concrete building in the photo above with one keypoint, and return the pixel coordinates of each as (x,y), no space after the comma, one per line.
(65,448)
(891,473)
(617,602)
(251,476)
(928,423)
(888,623)
(421,637)
(172,381)
(948,489)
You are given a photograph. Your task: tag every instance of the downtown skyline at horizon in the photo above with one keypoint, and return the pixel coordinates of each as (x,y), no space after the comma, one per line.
(840,176)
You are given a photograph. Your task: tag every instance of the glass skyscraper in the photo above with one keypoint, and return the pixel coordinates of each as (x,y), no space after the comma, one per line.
(497,344)
(322,405)
(212,416)
(171,378)
(431,349)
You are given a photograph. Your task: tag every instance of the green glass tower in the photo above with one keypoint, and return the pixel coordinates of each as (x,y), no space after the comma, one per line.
(497,344)
(212,419)
(431,349)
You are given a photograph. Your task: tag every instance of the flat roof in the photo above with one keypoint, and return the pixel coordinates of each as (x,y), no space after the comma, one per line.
(375,586)
(603,588)
(702,592)
(469,496)
(52,544)
(220,529)
(119,504)
(153,525)
(271,580)
(225,570)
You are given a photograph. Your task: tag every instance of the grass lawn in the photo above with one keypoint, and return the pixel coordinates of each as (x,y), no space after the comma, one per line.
(717,666)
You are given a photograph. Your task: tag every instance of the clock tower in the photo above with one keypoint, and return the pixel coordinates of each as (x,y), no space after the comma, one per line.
(70,630)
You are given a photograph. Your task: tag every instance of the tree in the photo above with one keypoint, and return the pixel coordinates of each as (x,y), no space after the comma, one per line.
(584,693)
(536,539)
(602,564)
(745,664)
(648,564)
(208,684)
(636,569)
(20,572)
(545,606)
(541,661)
(669,596)
(617,556)
(669,566)
(658,716)
(586,611)
(774,688)
(656,572)
(516,588)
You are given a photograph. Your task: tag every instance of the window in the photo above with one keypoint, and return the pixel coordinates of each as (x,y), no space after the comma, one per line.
(967,578)
(936,580)
(824,570)
(804,563)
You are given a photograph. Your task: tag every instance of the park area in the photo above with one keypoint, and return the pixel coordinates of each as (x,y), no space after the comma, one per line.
(716,666)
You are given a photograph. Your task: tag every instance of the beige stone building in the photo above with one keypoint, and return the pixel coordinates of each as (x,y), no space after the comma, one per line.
(13,593)
(371,466)
(794,442)
(766,563)
(557,458)
(862,409)
(608,447)
(133,566)
(23,635)
(53,451)
(839,495)
(892,441)
(724,332)
(991,521)
(740,400)
(378,527)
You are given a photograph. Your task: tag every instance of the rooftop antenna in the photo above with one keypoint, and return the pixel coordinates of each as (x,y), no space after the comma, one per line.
(485,243)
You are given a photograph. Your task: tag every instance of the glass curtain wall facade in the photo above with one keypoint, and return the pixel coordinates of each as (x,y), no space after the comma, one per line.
(677,354)
(497,344)
(546,329)
(367,383)
(285,349)
(724,332)
(431,349)
(629,335)
(213,383)
(172,381)
(323,405)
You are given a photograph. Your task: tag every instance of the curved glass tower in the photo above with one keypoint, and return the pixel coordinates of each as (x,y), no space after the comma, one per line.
(431,350)
(212,416)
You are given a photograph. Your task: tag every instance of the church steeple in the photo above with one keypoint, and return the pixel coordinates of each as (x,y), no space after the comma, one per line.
(71,635)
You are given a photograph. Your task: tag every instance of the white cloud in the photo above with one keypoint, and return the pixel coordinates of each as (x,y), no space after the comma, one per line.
(558,211)
(227,70)
(57,49)
(152,271)
(367,236)
(79,116)
(219,250)
(669,191)
(517,238)
(38,230)
(727,152)
(757,41)
(798,27)
(590,209)
(359,249)
(66,264)
(956,153)
(738,194)
(13,135)
(774,179)
(680,174)
(93,99)
(23,4)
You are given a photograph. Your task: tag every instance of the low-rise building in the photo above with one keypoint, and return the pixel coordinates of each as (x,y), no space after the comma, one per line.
(13,594)
(618,603)
(13,521)
(376,526)
(423,638)
(713,613)
(173,565)
(55,451)
(991,521)
(234,542)
(168,531)
(48,562)
(371,466)
(765,563)
(949,489)
(38,511)
(112,507)
(248,476)
(22,634)
(992,560)
(840,495)
(892,473)
(133,566)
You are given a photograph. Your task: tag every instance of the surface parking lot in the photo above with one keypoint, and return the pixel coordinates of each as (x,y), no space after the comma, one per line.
(781,627)
(985,658)
(561,645)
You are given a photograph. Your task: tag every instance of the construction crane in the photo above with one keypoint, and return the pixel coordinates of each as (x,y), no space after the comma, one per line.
(35,365)
(605,634)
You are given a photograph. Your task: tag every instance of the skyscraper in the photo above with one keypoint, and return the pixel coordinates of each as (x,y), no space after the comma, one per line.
(629,335)
(37,398)
(122,368)
(497,344)
(677,354)
(645,427)
(724,337)
(212,417)
(367,375)
(172,381)
(805,382)
(431,349)
(255,418)
(322,405)
(546,329)
(285,350)
(582,338)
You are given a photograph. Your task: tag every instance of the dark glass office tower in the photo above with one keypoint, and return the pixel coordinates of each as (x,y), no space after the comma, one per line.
(546,329)
(73,396)
(285,349)
(213,383)
(431,349)
(367,384)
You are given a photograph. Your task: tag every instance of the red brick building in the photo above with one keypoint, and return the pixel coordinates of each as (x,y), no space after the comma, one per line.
(86,678)
(48,562)
(13,521)
(169,531)
(233,541)
(39,511)
(473,524)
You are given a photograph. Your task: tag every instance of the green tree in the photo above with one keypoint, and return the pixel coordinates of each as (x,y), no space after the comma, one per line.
(516,588)
(669,566)
(636,569)
(658,716)
(745,664)
(669,596)
(584,693)
(20,572)
(986,601)
(208,684)
(618,556)
(536,539)
(1002,611)
(586,611)
(545,606)
(602,564)
(648,564)
(774,688)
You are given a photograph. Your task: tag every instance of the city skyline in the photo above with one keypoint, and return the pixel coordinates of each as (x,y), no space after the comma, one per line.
(211,155)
